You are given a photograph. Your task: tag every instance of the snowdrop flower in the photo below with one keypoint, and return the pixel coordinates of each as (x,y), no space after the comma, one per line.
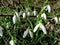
(35,12)
(47,8)
(56,19)
(43,16)
(31,34)
(36,27)
(14,19)
(41,26)
(28,13)
(11,42)
(24,15)
(26,33)
(1,31)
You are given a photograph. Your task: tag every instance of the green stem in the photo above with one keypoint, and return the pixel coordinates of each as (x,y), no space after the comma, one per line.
(22,7)
(30,22)
(9,33)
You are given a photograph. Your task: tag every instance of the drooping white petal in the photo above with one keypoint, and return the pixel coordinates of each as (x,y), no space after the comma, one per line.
(14,19)
(35,12)
(43,28)
(49,8)
(25,33)
(24,15)
(28,13)
(1,31)
(36,27)
(31,34)
(56,19)
(11,42)
(43,16)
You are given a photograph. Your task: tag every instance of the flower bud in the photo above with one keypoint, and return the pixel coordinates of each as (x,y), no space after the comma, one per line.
(43,16)
(49,8)
(28,13)
(24,15)
(35,13)
(14,19)
(56,19)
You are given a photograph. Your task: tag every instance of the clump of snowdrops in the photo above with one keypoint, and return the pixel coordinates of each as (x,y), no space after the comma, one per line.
(30,31)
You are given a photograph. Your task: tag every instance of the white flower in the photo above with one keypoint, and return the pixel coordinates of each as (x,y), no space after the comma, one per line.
(31,34)
(47,8)
(1,31)
(26,33)
(36,27)
(43,16)
(24,15)
(11,42)
(35,12)
(28,13)
(56,19)
(41,26)
(14,19)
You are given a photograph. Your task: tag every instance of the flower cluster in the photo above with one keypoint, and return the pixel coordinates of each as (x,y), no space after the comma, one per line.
(41,26)
(26,32)
(30,31)
(27,13)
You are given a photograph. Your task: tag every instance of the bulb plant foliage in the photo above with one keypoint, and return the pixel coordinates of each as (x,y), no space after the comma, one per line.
(25,30)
